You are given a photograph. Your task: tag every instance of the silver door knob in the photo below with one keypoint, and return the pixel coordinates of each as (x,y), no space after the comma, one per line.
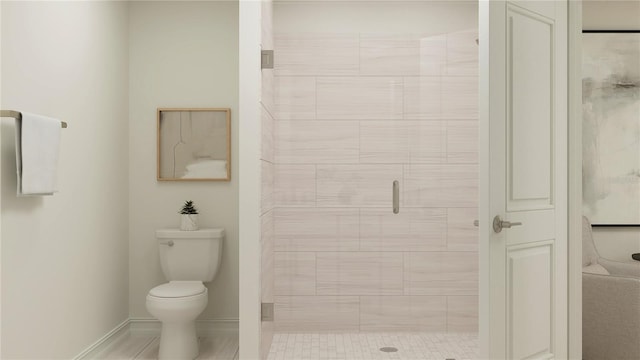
(168,243)
(499,224)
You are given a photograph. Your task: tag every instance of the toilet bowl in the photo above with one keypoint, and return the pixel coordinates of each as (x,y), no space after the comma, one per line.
(177,304)
(188,259)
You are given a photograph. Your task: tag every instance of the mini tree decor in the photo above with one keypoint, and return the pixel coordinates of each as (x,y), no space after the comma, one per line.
(188,208)
(189,216)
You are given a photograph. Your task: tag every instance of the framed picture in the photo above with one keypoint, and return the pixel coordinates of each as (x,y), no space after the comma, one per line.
(611,127)
(194,144)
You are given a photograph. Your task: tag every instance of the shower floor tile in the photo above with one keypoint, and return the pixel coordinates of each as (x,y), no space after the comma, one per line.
(366,346)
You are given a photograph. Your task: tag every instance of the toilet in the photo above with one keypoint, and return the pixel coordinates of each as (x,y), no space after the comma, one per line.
(188,259)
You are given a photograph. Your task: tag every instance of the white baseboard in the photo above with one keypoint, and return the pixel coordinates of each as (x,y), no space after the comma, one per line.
(104,342)
(152,327)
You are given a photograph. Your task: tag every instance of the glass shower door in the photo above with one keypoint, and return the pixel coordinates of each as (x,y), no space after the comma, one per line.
(355,110)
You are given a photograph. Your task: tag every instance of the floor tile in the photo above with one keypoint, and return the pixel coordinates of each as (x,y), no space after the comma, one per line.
(352,346)
(221,346)
(128,347)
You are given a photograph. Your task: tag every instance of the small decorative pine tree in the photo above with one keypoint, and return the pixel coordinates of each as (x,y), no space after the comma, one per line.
(188,208)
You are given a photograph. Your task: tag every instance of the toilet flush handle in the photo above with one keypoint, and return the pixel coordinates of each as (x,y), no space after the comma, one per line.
(169,243)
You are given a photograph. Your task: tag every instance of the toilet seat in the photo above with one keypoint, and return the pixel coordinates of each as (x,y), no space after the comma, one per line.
(178,289)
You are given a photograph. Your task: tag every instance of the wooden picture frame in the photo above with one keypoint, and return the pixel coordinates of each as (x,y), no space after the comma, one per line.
(194,144)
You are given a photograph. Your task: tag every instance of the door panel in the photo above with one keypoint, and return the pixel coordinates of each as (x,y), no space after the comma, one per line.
(529,317)
(530,122)
(536,226)
(525,180)
(529,109)
(545,8)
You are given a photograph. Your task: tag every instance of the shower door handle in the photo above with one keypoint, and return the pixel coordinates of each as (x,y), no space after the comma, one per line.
(396,197)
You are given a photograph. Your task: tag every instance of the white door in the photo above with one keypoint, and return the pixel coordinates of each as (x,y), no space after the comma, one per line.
(523,179)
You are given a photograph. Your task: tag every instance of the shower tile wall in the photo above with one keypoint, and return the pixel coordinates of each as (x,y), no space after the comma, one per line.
(353,113)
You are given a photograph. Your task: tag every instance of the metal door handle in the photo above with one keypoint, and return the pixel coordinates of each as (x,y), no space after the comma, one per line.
(168,243)
(476,223)
(508,224)
(499,224)
(396,197)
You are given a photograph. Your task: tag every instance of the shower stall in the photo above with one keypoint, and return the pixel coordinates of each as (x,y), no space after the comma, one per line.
(362,96)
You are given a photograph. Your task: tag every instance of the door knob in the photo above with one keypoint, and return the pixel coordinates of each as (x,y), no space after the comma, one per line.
(499,224)
(476,223)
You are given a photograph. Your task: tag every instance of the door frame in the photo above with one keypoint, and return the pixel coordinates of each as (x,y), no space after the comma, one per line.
(250,84)
(249,172)
(574,188)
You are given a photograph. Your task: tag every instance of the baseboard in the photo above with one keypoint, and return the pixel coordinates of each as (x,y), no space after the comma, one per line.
(152,327)
(104,342)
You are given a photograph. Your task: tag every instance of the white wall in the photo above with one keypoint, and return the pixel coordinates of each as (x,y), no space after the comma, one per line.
(64,257)
(614,243)
(611,15)
(182,54)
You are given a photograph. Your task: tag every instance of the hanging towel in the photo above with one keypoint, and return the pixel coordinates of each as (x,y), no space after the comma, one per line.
(37,147)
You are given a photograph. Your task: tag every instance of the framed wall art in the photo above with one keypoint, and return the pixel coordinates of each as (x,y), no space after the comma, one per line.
(194,144)
(611,127)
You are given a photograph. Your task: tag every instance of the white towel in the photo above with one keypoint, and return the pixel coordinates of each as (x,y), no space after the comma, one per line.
(37,147)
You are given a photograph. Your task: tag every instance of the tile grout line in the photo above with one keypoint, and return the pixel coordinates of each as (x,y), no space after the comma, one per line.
(315,82)
(359,313)
(404,269)
(404,90)
(315,166)
(446,228)
(359,142)
(359,229)
(145,347)
(237,354)
(446,314)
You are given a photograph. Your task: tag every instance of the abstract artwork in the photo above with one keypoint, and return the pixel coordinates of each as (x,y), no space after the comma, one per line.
(194,144)
(611,127)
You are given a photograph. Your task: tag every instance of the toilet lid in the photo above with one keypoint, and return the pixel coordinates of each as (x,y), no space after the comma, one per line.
(177,289)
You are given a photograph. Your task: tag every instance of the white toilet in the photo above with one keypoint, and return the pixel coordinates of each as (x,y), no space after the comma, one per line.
(188,259)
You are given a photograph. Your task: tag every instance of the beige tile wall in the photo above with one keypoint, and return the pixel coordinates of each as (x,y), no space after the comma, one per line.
(353,113)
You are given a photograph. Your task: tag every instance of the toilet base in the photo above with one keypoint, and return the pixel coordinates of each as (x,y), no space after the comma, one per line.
(178,341)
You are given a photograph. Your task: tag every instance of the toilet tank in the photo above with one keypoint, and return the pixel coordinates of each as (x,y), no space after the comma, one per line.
(190,255)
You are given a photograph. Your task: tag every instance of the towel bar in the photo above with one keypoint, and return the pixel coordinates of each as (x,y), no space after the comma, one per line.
(18,116)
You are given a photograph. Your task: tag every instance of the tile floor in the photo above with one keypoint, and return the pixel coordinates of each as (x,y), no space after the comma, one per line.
(366,346)
(310,346)
(223,346)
